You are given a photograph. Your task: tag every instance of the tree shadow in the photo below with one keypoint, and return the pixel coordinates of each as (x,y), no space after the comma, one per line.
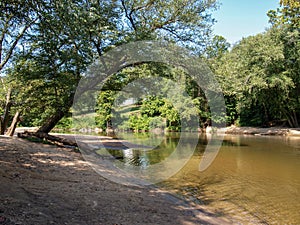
(42,184)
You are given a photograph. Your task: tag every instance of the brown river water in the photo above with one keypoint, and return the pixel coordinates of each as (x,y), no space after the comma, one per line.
(253,179)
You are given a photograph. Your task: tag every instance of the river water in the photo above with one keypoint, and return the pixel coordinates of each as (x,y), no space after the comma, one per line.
(253,179)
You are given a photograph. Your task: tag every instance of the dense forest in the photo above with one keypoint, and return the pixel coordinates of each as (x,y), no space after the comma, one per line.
(46,47)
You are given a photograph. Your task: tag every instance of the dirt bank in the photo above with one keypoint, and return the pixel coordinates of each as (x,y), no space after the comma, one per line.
(43,184)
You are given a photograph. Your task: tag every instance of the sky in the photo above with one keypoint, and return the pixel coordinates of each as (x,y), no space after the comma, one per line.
(241,18)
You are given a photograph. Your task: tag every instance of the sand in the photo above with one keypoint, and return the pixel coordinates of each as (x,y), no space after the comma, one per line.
(44,184)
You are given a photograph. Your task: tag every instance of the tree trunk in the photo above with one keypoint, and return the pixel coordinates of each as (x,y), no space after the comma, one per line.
(62,142)
(292,119)
(51,122)
(12,128)
(59,114)
(295,119)
(7,107)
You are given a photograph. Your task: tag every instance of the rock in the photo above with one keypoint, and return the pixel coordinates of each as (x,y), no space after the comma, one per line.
(294,132)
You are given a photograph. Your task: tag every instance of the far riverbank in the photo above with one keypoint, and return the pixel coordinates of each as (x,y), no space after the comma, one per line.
(275,131)
(272,131)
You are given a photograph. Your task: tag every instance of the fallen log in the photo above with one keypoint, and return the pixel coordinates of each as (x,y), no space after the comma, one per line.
(61,142)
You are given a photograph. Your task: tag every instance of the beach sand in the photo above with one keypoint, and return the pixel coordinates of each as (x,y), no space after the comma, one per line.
(45,184)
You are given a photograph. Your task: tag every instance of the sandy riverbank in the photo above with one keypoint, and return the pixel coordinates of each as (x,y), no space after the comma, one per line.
(275,131)
(43,184)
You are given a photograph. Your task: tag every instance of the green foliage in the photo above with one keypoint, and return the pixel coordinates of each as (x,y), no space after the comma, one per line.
(252,67)
(172,116)
(104,108)
(84,121)
(217,47)
(172,101)
(290,38)
(232,114)
(157,122)
(153,113)
(65,123)
(139,122)
(151,106)
(259,77)
(263,71)
(49,44)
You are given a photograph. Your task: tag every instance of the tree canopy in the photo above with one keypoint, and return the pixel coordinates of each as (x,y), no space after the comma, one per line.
(49,44)
(260,74)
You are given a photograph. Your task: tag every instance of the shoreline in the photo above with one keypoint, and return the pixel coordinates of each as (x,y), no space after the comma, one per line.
(44,184)
(48,184)
(270,131)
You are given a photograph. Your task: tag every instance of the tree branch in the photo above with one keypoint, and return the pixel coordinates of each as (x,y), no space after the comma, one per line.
(5,29)
(129,15)
(14,44)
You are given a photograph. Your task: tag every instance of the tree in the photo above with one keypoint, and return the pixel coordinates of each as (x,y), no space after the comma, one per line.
(286,21)
(16,19)
(255,68)
(260,75)
(104,109)
(17,97)
(69,34)
(217,47)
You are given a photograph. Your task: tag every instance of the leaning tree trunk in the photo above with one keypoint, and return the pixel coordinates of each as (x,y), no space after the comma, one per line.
(57,116)
(51,122)
(12,128)
(42,132)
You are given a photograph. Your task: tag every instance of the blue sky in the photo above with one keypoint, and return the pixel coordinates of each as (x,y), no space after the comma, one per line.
(241,18)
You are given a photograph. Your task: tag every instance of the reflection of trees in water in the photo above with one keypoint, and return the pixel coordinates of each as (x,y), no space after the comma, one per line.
(232,143)
(144,157)
(167,146)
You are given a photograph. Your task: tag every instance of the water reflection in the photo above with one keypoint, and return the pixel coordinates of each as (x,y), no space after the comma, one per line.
(253,179)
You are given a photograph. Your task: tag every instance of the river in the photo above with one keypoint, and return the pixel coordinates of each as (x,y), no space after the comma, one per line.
(253,179)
